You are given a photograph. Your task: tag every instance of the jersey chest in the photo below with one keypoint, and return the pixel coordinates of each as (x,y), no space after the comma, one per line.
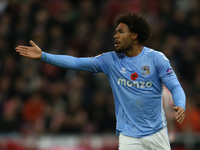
(139,70)
(137,74)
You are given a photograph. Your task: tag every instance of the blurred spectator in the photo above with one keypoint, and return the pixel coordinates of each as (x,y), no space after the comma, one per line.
(10,120)
(32,112)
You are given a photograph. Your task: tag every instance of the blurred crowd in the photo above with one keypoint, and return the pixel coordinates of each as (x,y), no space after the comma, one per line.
(36,97)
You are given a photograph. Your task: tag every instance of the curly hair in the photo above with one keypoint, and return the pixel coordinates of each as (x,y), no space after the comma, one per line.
(136,24)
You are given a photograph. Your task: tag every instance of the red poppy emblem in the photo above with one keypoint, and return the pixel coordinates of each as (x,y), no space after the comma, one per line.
(134,76)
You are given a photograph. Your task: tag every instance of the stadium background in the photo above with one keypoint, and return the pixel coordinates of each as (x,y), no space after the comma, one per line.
(43,107)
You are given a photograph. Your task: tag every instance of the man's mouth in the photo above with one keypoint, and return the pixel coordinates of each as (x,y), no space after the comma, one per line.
(117,43)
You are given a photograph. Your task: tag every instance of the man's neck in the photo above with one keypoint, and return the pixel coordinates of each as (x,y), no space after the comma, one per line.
(134,51)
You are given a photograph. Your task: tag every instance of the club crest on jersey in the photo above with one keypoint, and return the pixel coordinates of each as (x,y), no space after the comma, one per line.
(145,70)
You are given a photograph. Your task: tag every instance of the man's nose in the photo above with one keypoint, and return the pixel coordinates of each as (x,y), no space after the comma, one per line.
(116,36)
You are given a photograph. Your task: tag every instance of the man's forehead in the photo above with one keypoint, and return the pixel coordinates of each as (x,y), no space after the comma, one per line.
(122,26)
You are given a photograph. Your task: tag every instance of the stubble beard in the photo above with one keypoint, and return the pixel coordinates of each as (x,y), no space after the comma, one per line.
(119,50)
(122,50)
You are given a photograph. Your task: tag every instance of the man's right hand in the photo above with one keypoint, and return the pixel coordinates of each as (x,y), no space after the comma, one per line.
(33,52)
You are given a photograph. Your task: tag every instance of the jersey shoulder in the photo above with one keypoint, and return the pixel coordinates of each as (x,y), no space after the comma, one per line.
(106,58)
(106,54)
(156,55)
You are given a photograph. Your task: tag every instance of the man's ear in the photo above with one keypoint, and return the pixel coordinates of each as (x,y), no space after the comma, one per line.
(134,36)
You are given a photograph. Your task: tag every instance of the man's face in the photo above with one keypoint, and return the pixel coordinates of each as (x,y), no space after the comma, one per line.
(123,38)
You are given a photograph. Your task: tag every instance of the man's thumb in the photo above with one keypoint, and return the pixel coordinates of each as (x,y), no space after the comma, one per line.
(33,44)
(175,108)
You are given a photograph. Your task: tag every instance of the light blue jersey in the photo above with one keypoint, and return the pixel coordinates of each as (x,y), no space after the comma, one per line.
(137,85)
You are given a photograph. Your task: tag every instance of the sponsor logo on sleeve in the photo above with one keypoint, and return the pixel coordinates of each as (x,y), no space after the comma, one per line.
(169,71)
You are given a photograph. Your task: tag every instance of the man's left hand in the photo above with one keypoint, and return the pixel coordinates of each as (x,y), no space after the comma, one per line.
(180,114)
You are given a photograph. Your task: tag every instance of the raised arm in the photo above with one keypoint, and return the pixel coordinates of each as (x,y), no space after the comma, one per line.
(94,64)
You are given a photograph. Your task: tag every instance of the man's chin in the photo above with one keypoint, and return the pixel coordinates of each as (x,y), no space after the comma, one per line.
(119,50)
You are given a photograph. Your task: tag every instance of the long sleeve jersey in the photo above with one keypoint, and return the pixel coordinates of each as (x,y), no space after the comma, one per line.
(137,86)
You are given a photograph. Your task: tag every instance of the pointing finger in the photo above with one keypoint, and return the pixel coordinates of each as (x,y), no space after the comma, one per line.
(25,47)
(21,51)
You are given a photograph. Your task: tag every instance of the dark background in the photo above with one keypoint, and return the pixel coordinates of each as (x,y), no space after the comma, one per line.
(37,98)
